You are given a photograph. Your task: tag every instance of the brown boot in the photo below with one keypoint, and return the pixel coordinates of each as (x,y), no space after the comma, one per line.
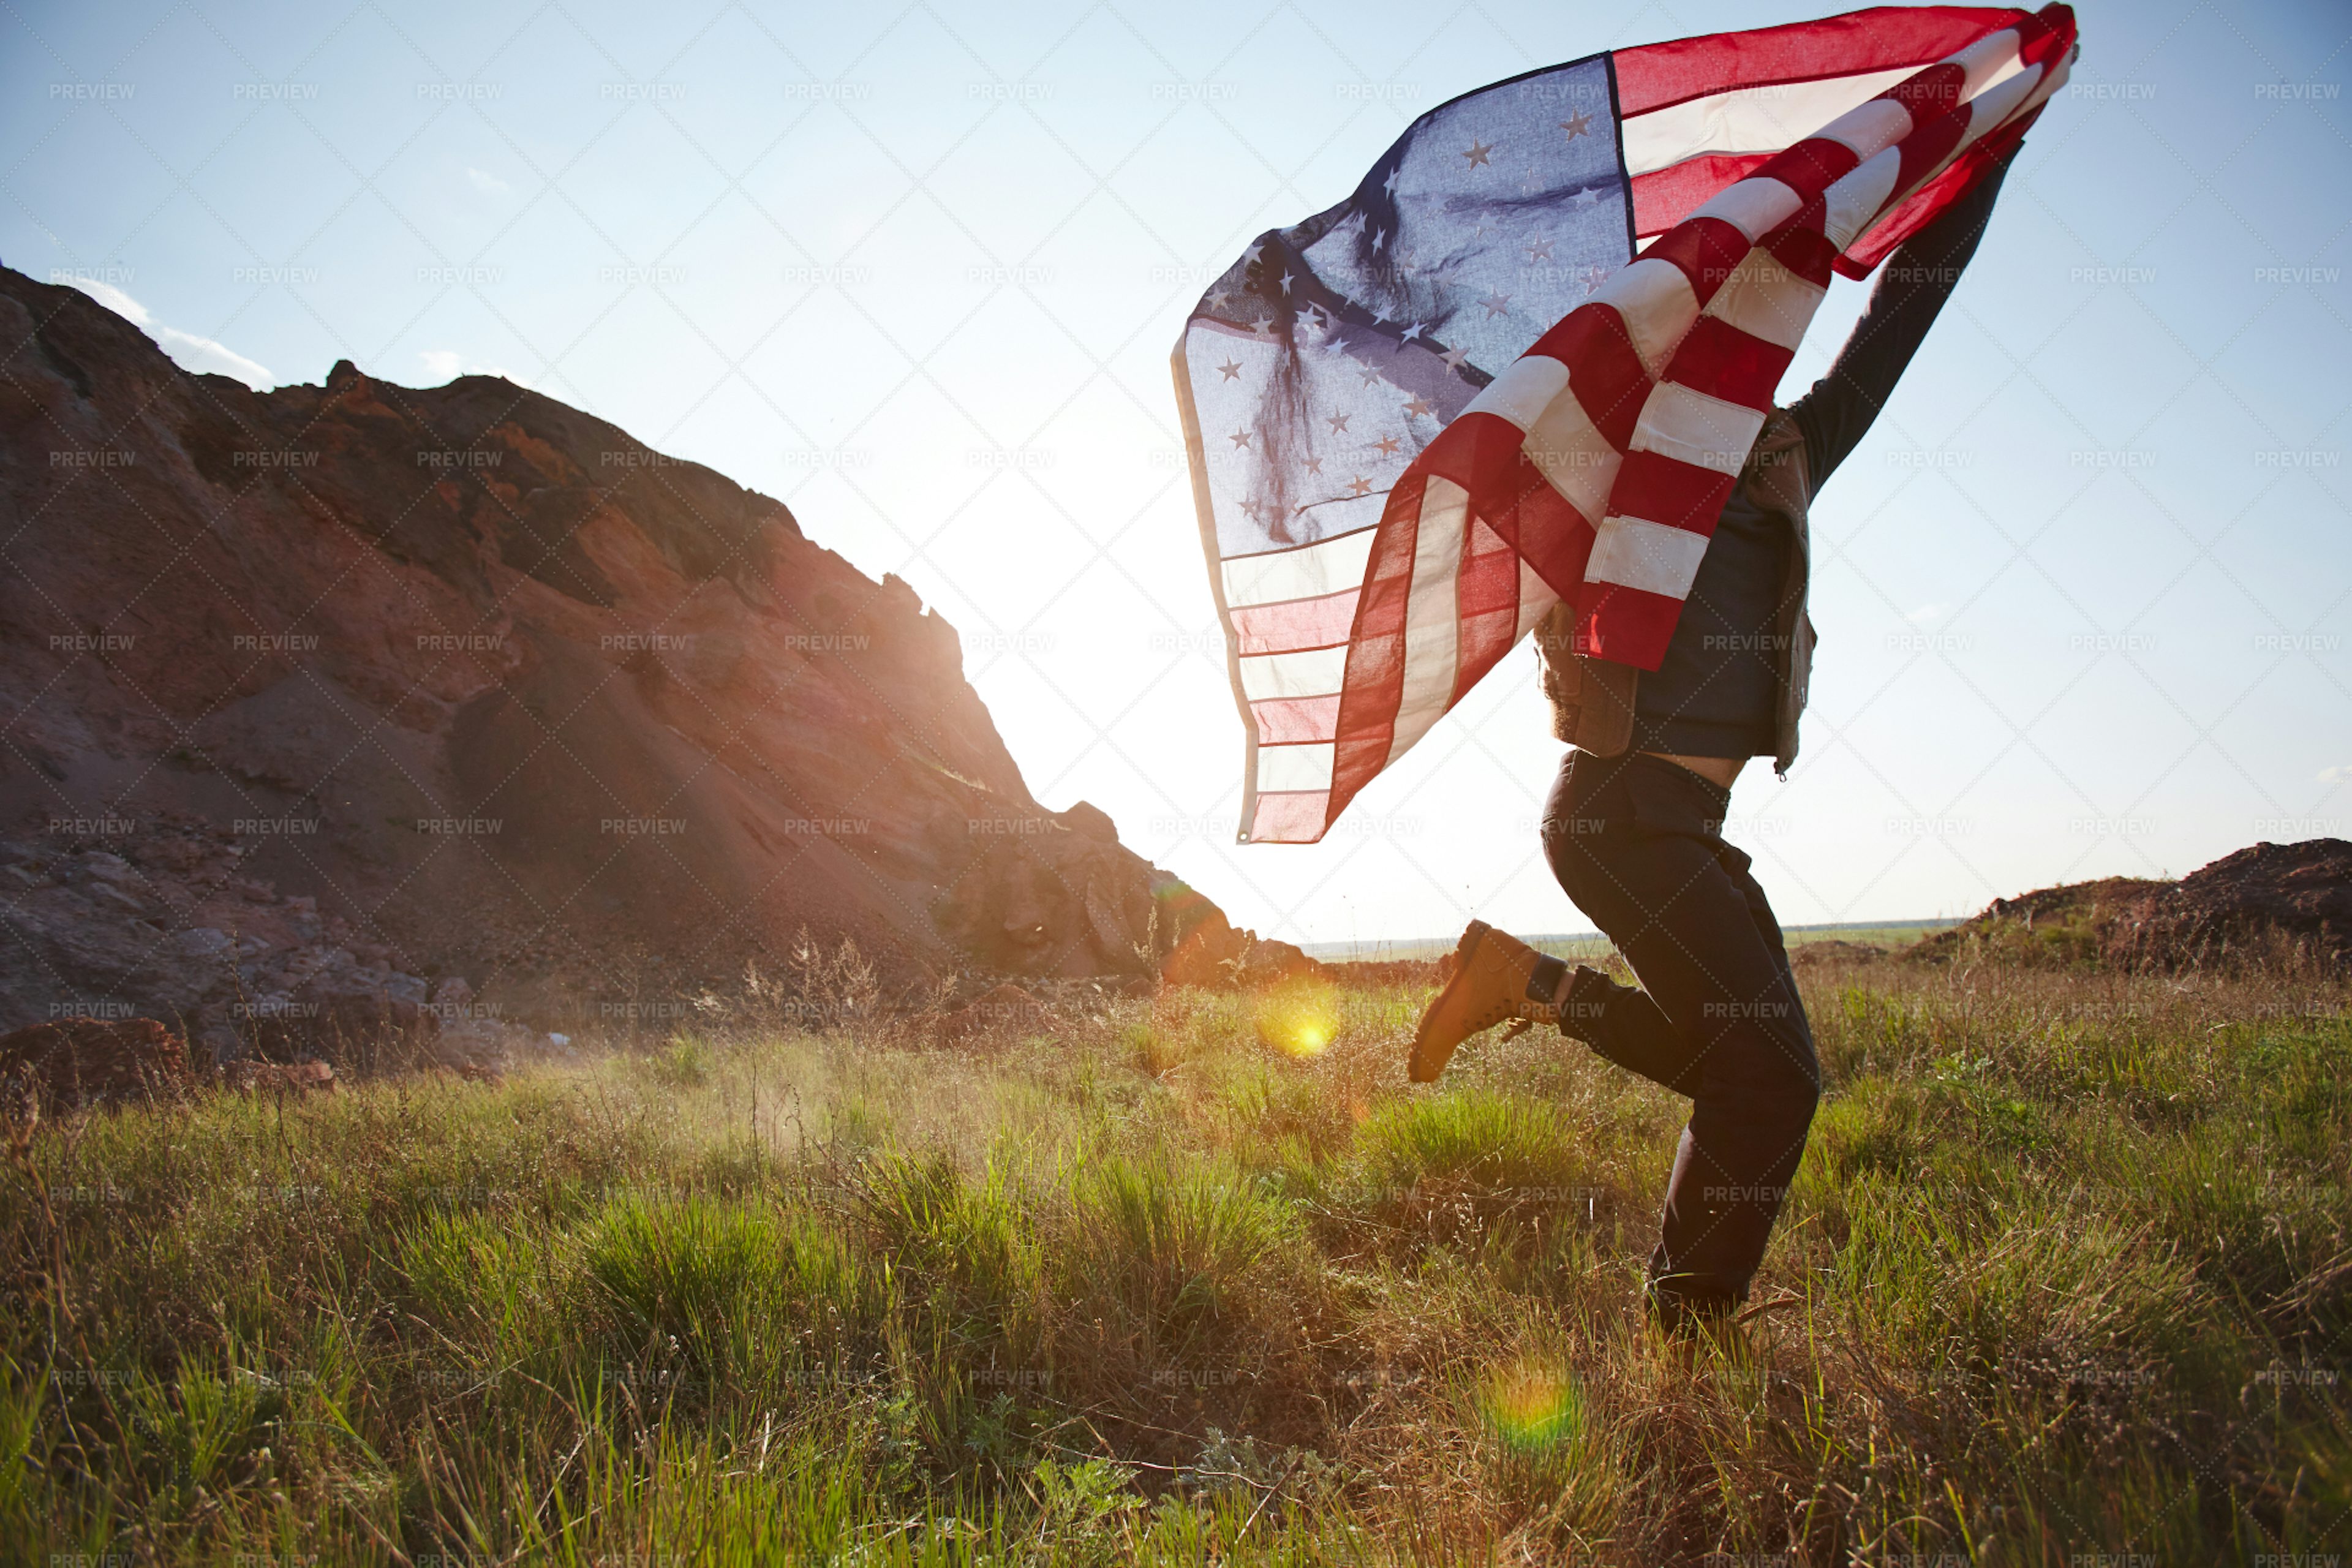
(1490,978)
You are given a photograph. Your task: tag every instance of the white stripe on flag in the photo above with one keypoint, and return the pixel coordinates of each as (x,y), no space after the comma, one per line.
(1521,393)
(1284,768)
(1995,104)
(1754,206)
(1763,299)
(1431,632)
(1869,127)
(1655,299)
(1761,119)
(1989,60)
(1306,572)
(1853,203)
(1314,673)
(1684,423)
(1638,553)
(1575,457)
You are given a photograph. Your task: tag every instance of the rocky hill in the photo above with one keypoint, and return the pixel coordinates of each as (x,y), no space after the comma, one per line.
(2267,903)
(355,688)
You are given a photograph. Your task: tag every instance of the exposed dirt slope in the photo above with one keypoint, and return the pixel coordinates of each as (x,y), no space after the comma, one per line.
(2263,903)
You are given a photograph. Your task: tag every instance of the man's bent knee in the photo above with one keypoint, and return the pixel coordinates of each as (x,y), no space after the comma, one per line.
(1787,1100)
(1773,1084)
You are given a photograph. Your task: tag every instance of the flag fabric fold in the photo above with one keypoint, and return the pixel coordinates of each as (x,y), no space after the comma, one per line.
(1419,420)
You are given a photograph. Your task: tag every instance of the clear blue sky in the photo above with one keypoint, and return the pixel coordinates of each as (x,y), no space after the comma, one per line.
(2084,593)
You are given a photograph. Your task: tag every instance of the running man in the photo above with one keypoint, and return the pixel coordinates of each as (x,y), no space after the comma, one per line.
(1633,827)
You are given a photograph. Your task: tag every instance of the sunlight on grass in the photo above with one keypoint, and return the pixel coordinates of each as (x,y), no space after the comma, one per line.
(1200,1278)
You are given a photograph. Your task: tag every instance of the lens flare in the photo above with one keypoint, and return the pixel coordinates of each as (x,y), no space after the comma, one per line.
(1298,1017)
(1532,1408)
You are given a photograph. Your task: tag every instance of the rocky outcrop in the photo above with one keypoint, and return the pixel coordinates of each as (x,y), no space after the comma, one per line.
(2267,904)
(463,682)
(80,1063)
(164,924)
(1205,949)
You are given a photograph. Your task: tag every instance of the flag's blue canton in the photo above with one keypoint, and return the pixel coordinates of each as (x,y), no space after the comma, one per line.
(1327,358)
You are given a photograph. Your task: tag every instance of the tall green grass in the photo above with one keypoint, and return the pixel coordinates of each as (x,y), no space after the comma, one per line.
(2066,1276)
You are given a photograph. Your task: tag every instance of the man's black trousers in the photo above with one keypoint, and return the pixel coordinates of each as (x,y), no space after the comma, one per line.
(1637,842)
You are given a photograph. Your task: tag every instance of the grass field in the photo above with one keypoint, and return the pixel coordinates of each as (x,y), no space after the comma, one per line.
(2066,1279)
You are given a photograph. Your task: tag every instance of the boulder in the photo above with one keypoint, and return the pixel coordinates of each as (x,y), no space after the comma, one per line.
(1007,1009)
(279,1077)
(1202,948)
(76,1061)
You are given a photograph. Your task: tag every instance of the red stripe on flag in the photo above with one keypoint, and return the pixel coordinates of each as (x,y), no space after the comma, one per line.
(1626,625)
(1604,371)
(1488,620)
(1706,249)
(1290,625)
(1810,166)
(1479,451)
(2041,36)
(1664,197)
(1659,489)
(1929,145)
(1725,362)
(1551,536)
(1656,76)
(1373,688)
(1283,720)
(1930,92)
(1799,245)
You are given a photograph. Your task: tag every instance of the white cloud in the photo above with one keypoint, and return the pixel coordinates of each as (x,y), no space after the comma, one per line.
(1927,615)
(208,357)
(487,183)
(204,355)
(2336,776)
(442,365)
(114,298)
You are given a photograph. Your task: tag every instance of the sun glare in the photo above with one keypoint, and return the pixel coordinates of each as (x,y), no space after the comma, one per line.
(1532,1407)
(1300,1018)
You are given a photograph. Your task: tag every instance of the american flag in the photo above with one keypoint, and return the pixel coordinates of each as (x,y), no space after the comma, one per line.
(1521,366)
